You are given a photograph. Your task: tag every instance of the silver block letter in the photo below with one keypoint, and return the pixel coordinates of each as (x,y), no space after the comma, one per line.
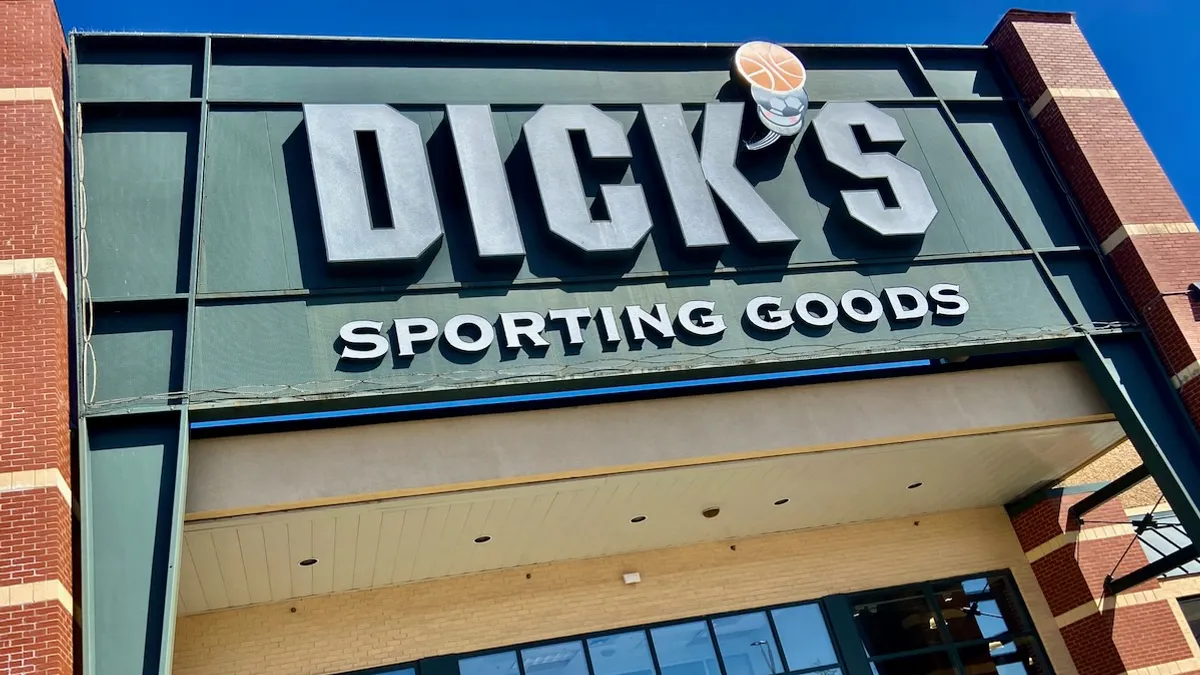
(835,131)
(492,212)
(412,331)
(573,318)
(765,314)
(947,301)
(523,324)
(364,334)
(341,192)
(561,187)
(688,177)
(896,300)
(719,145)
(694,208)
(696,317)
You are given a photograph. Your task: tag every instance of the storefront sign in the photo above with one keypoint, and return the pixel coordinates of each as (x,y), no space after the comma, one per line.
(470,333)
(338,134)
(340,137)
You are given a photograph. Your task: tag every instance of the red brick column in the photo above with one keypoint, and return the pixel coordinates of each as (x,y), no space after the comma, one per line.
(36,606)
(1129,203)
(1106,636)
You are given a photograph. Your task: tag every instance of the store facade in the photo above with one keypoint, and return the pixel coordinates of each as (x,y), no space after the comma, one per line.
(470,358)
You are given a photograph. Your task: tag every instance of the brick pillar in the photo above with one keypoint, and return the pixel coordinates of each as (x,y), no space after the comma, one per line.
(1128,201)
(36,606)
(1132,632)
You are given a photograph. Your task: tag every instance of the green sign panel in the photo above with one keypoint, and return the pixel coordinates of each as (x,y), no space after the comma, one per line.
(392,218)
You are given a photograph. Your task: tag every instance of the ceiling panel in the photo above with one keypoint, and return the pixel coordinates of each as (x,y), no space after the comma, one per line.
(252,559)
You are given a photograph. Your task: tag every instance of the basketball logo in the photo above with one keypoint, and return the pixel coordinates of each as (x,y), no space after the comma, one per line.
(776,79)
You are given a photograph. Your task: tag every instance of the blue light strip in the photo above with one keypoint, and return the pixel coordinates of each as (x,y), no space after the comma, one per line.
(561,395)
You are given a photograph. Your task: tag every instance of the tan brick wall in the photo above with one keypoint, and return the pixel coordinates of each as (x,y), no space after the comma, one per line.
(339,633)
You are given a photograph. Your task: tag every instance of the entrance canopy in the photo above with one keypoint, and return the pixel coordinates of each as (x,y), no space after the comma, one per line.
(393,503)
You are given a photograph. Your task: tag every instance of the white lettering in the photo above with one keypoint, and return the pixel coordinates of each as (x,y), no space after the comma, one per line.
(573,318)
(896,298)
(455,338)
(608,321)
(763,312)
(874,310)
(659,320)
(826,318)
(706,323)
(412,331)
(523,324)
(947,300)
(351,336)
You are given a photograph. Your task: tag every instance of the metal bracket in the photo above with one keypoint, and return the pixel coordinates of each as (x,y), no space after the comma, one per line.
(1152,570)
(1110,491)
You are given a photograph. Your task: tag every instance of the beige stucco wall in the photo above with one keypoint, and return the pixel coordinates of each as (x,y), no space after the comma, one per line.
(349,631)
(258,472)
(1113,464)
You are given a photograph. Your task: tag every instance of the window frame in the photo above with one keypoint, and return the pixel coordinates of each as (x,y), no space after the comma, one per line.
(836,615)
(949,645)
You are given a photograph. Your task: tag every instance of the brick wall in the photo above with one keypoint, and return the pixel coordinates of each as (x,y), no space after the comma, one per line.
(348,631)
(1154,247)
(1126,197)
(36,632)
(1137,630)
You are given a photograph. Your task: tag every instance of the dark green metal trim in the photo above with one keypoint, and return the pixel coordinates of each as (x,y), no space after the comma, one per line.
(221,37)
(844,634)
(246,409)
(647,277)
(1014,226)
(1035,497)
(1006,81)
(1110,491)
(716,646)
(1137,388)
(141,299)
(178,509)
(1150,570)
(85,589)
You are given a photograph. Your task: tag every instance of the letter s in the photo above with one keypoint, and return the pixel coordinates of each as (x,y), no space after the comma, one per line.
(351,336)
(835,131)
(947,301)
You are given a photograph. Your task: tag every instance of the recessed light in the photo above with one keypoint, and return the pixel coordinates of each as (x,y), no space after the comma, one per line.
(482,539)
(637,519)
(916,485)
(781,502)
(711,512)
(308,562)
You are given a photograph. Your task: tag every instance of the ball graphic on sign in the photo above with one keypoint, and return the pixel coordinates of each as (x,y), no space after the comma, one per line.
(776,79)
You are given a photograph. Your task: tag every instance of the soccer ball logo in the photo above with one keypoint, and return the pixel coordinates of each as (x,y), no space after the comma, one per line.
(776,81)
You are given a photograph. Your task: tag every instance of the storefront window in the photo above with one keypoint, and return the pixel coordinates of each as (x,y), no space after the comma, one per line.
(747,645)
(685,649)
(978,608)
(1191,613)
(805,638)
(622,654)
(972,626)
(896,622)
(934,663)
(976,626)
(1014,658)
(504,663)
(565,658)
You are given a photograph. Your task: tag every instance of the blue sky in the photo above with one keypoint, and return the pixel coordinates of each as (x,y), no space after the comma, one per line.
(1149,47)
